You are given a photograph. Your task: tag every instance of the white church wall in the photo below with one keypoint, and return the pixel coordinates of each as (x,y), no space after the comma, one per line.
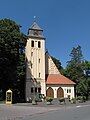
(65,88)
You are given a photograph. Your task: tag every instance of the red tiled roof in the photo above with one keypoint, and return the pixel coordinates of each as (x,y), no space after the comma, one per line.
(58,79)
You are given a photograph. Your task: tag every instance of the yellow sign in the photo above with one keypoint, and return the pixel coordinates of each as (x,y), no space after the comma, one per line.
(9,97)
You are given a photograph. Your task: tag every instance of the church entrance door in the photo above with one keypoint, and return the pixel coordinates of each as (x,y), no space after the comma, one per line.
(50,92)
(60,92)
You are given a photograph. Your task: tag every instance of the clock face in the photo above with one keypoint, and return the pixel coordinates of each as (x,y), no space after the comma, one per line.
(35,32)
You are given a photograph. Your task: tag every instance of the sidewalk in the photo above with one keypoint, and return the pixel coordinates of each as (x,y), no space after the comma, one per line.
(54,104)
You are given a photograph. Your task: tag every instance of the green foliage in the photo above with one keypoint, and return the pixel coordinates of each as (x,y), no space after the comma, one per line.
(62,99)
(74,69)
(86,68)
(86,65)
(35,101)
(75,73)
(76,56)
(12,57)
(82,87)
(84,84)
(81,99)
(78,70)
(73,100)
(49,99)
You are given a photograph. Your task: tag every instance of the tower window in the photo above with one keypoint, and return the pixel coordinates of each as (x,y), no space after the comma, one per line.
(39,44)
(39,60)
(32,43)
(39,74)
(31,53)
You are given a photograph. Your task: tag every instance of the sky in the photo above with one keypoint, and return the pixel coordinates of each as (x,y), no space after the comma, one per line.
(65,23)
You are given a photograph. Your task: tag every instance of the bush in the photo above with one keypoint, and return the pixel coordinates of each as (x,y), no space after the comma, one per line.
(84,98)
(80,99)
(73,100)
(34,101)
(62,99)
(49,99)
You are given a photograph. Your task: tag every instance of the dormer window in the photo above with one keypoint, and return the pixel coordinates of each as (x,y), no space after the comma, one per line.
(32,43)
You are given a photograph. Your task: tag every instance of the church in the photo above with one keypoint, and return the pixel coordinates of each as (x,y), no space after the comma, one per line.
(42,76)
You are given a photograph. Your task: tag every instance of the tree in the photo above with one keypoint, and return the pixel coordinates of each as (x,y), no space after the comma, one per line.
(78,70)
(86,69)
(12,57)
(74,68)
(76,56)
(82,88)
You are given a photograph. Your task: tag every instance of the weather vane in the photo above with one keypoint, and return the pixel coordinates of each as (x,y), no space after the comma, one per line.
(34,18)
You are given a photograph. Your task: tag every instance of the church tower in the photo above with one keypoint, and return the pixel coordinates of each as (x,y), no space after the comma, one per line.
(35,62)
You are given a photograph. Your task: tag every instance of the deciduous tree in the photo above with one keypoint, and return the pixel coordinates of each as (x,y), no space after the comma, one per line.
(12,57)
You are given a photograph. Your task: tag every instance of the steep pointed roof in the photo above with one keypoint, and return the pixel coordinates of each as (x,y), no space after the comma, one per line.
(35,31)
(35,26)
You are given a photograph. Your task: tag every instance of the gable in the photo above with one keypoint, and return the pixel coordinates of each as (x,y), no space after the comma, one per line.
(50,67)
(53,75)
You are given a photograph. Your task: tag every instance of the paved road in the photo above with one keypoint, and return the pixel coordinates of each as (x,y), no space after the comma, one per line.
(72,113)
(18,112)
(41,112)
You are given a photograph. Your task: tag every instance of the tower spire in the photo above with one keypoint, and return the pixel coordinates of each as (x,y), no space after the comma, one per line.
(34,18)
